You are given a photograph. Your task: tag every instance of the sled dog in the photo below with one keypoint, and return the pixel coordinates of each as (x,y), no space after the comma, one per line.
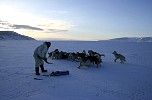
(87,61)
(119,56)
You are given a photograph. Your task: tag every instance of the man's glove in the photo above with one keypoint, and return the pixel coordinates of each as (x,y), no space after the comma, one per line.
(45,59)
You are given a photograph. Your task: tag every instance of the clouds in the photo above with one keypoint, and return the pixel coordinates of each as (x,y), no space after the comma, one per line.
(56,30)
(7,25)
(4,25)
(25,27)
(15,19)
(53,27)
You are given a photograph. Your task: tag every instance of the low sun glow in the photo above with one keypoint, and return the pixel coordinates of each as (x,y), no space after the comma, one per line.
(12,16)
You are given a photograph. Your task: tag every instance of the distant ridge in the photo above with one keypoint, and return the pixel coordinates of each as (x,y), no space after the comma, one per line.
(11,35)
(132,39)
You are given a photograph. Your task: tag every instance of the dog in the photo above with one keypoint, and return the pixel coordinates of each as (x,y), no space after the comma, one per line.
(92,53)
(88,60)
(84,62)
(54,54)
(119,56)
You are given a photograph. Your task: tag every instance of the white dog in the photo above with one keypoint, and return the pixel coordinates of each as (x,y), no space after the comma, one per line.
(119,56)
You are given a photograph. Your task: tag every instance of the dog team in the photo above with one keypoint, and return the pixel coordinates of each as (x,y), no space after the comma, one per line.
(84,58)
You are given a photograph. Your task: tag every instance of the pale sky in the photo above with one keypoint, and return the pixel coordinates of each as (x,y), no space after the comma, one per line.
(77,19)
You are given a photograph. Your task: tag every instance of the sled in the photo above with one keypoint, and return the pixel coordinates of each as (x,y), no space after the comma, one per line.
(38,78)
(54,73)
(59,73)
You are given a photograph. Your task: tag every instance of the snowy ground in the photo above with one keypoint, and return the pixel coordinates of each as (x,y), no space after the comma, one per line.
(112,81)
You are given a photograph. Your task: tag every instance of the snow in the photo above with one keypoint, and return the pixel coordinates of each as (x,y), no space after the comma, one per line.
(112,81)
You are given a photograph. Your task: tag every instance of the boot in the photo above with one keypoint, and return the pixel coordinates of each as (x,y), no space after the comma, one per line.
(42,68)
(37,71)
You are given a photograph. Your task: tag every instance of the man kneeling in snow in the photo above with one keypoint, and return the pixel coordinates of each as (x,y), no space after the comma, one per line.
(40,55)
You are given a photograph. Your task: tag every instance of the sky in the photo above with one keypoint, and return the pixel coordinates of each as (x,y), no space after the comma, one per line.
(77,19)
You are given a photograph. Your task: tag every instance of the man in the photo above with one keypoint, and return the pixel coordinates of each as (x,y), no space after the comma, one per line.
(40,55)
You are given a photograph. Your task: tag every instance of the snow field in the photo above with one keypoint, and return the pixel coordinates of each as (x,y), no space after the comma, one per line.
(111,81)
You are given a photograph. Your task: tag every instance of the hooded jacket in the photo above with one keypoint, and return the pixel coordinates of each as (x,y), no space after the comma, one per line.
(41,50)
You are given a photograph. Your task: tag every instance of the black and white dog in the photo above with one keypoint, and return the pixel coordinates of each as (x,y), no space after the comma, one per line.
(87,60)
